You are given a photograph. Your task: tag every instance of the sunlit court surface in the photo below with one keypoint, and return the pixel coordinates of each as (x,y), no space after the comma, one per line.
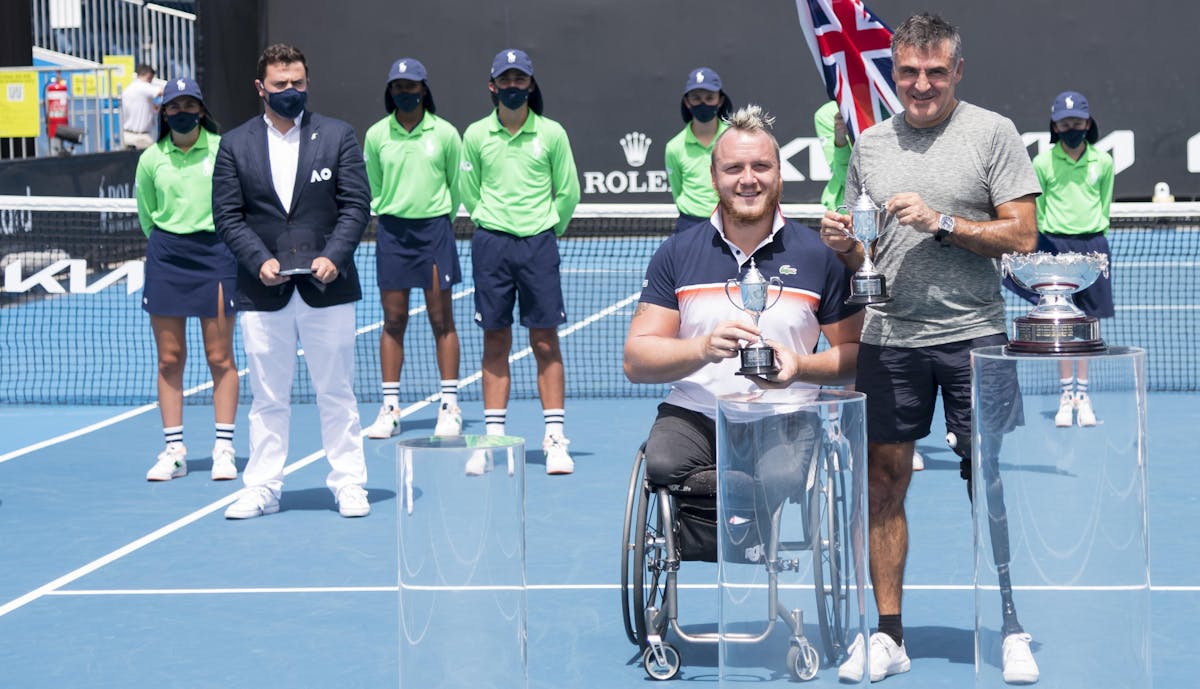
(109,580)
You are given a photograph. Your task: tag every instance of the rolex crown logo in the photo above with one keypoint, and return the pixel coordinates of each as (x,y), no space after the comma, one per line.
(635,145)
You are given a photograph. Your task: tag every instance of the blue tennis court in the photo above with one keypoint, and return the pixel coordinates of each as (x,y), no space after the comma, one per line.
(110,581)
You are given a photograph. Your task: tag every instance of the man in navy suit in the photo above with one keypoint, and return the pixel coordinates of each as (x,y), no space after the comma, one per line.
(291,199)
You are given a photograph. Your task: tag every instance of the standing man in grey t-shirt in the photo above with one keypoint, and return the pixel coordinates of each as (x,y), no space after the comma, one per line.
(959,191)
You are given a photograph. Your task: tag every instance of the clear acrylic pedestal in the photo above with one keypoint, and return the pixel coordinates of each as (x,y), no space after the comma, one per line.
(462,562)
(792,535)
(1061,535)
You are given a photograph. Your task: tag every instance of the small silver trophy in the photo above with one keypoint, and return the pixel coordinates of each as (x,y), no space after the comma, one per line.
(868,285)
(758,359)
(1055,325)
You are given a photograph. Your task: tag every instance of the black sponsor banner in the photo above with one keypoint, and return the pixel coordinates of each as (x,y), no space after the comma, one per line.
(614,69)
(96,175)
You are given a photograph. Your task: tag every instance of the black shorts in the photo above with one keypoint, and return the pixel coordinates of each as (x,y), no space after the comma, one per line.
(509,270)
(901,385)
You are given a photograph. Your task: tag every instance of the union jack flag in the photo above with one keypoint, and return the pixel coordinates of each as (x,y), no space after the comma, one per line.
(852,49)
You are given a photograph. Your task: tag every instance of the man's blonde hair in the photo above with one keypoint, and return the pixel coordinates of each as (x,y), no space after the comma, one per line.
(750,119)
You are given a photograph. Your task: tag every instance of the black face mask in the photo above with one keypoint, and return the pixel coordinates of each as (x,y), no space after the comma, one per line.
(287,103)
(513,98)
(406,102)
(1073,137)
(183,122)
(704,112)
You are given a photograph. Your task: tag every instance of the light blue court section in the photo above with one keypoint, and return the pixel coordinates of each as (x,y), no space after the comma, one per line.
(109,581)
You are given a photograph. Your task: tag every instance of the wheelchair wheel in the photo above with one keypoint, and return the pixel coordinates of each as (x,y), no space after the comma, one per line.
(628,540)
(829,518)
(662,671)
(803,661)
(649,581)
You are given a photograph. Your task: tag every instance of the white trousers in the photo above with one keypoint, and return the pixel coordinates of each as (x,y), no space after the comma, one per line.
(327,336)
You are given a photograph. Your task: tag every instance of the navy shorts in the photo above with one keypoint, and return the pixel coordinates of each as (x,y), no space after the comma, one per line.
(183,272)
(901,385)
(406,250)
(685,221)
(512,270)
(1096,300)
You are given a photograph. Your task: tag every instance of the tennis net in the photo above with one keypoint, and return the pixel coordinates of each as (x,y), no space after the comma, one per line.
(72,330)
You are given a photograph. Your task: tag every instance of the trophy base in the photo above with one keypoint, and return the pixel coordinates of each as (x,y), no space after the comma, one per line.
(1056,336)
(868,288)
(758,361)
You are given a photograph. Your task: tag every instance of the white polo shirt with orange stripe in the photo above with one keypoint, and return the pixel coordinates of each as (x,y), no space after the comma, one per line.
(688,273)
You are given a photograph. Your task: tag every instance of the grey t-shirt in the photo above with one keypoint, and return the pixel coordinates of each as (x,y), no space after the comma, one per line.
(964,167)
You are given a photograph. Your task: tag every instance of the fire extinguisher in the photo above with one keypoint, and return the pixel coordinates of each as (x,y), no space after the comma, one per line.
(57,113)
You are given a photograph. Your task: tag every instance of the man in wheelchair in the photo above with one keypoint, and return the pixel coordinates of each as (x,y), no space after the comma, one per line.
(686,332)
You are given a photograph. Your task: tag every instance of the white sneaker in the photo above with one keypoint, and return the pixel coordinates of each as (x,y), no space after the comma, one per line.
(253,501)
(386,424)
(558,461)
(1066,407)
(171,463)
(223,468)
(886,659)
(449,422)
(918,461)
(1084,414)
(352,501)
(1019,666)
(478,464)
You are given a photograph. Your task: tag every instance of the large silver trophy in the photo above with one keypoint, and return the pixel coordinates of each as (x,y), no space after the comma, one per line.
(1055,325)
(758,359)
(868,285)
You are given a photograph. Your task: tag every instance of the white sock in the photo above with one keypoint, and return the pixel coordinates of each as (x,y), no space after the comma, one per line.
(1068,384)
(554,421)
(449,393)
(391,394)
(224,436)
(493,420)
(173,435)
(1081,386)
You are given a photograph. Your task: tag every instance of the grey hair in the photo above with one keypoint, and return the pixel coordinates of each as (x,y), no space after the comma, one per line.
(750,119)
(925,31)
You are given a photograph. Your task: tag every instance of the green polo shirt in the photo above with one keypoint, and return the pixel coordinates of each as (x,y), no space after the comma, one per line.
(413,174)
(838,157)
(174,188)
(522,184)
(689,172)
(1076,194)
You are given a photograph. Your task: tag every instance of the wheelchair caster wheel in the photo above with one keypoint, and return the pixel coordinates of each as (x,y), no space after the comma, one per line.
(803,661)
(661,670)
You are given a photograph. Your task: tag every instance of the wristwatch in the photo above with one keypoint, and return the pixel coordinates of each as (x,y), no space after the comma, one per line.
(945,228)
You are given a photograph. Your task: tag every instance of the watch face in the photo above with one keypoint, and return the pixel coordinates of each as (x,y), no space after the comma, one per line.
(946,222)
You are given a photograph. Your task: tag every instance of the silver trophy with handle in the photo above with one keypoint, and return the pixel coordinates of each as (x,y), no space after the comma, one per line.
(868,285)
(758,359)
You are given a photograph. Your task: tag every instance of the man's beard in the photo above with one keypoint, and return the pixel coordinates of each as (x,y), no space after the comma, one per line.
(743,216)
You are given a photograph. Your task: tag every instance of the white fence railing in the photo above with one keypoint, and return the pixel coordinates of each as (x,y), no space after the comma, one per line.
(159,36)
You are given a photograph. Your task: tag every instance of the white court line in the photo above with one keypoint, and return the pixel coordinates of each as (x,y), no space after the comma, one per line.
(174,526)
(138,411)
(558,587)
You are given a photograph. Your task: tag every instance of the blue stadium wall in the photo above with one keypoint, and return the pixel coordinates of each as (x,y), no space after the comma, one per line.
(610,67)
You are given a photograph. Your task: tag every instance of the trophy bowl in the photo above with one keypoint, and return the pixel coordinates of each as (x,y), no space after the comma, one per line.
(1055,325)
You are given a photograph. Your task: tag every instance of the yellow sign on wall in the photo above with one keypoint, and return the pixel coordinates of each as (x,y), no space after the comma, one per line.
(19,100)
(120,77)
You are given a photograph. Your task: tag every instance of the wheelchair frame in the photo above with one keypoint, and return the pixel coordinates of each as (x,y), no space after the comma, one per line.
(650,565)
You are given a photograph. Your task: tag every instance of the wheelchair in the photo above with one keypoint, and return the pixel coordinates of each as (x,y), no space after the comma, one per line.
(665,527)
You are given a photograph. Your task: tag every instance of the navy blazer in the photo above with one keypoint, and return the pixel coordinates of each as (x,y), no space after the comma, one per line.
(331,205)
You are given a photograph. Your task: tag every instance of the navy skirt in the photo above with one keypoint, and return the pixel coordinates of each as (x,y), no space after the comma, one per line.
(183,273)
(406,251)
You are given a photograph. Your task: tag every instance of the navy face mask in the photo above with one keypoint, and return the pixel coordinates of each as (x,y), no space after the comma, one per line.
(183,122)
(1072,137)
(704,112)
(287,103)
(406,102)
(513,98)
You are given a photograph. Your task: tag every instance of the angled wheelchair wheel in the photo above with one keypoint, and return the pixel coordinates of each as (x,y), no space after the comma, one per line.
(628,539)
(649,554)
(829,519)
